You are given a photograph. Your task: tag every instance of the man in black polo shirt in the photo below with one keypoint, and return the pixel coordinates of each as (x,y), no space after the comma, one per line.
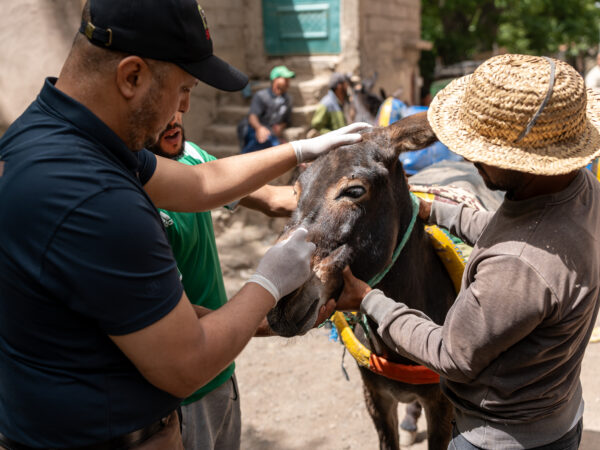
(98,341)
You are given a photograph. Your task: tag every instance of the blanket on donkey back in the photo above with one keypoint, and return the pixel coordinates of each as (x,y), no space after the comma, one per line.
(453,195)
(456,182)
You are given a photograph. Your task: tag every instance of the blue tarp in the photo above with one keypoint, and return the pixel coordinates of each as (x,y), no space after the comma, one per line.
(417,160)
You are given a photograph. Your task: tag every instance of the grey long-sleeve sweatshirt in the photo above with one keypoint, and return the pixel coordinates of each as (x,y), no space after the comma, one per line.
(510,349)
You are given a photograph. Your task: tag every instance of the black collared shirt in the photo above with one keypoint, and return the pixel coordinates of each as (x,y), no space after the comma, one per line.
(83,255)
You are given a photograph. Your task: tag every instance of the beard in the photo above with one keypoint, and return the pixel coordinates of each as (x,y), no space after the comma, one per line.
(158,150)
(143,120)
(510,180)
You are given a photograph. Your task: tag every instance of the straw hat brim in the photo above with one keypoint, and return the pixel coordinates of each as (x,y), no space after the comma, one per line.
(567,156)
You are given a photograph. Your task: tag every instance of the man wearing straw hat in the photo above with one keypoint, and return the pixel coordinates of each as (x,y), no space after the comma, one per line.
(509,352)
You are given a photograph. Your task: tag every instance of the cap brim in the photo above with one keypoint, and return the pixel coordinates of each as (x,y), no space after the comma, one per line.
(217,73)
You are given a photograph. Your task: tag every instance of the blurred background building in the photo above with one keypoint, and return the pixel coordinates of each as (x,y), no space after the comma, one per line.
(313,38)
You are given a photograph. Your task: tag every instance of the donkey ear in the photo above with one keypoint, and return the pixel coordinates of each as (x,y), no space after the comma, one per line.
(411,133)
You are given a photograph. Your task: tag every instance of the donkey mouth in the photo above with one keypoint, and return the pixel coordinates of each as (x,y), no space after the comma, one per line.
(297,313)
(284,327)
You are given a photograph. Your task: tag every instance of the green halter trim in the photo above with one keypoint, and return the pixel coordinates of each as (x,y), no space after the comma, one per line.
(415,211)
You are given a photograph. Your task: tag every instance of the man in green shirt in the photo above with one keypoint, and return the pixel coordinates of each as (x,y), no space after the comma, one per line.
(211,417)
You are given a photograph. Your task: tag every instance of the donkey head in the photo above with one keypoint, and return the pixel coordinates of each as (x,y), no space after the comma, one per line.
(353,202)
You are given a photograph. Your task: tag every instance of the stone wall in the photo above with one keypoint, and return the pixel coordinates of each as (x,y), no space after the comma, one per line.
(227,21)
(390,44)
(380,35)
(36,36)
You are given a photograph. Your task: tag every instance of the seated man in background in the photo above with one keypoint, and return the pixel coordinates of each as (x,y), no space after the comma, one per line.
(270,113)
(329,115)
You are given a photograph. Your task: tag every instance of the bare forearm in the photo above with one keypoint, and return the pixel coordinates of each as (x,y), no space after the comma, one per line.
(263,329)
(217,183)
(227,330)
(274,201)
(179,187)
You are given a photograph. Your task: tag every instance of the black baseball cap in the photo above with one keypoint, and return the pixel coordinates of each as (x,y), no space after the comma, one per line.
(175,31)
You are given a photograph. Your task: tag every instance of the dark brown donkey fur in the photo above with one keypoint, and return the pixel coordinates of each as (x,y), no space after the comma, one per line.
(355,204)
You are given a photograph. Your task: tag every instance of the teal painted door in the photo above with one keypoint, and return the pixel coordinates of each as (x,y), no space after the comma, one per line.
(301,27)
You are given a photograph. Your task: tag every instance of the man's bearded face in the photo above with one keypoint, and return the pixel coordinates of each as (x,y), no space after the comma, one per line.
(171,140)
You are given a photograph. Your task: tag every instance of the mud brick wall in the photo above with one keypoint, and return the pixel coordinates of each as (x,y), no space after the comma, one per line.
(390,33)
(36,36)
(380,35)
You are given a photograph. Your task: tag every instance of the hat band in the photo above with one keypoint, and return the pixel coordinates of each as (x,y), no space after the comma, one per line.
(544,103)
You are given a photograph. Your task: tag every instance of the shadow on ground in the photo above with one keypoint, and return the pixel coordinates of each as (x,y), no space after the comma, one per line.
(590,440)
(252,439)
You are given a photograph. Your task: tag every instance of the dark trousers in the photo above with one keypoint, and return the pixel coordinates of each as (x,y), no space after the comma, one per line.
(570,441)
(251,144)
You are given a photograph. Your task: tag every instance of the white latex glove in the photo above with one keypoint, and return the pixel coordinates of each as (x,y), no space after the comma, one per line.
(309,149)
(286,265)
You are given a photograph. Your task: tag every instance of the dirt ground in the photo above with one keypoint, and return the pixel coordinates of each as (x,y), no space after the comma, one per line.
(294,395)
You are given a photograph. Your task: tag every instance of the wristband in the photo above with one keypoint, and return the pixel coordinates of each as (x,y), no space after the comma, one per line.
(297,146)
(267,284)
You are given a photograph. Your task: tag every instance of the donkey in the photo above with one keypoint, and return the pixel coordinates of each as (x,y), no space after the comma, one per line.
(364,104)
(356,205)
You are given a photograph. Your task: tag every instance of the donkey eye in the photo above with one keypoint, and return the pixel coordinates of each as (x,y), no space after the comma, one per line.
(353,192)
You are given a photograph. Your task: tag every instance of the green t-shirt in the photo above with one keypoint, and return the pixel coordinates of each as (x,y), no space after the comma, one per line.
(192,239)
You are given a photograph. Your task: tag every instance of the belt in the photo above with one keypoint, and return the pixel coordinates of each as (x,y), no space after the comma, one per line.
(122,442)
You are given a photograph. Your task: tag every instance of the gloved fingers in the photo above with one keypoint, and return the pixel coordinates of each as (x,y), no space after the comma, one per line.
(352,128)
(298,234)
(286,265)
(309,149)
(297,240)
(346,139)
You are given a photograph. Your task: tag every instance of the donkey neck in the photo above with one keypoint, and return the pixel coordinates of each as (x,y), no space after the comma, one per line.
(401,242)
(418,278)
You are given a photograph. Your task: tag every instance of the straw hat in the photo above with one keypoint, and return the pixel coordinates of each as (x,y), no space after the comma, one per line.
(526,113)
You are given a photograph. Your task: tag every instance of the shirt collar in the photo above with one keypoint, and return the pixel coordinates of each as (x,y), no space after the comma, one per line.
(541,201)
(62,106)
